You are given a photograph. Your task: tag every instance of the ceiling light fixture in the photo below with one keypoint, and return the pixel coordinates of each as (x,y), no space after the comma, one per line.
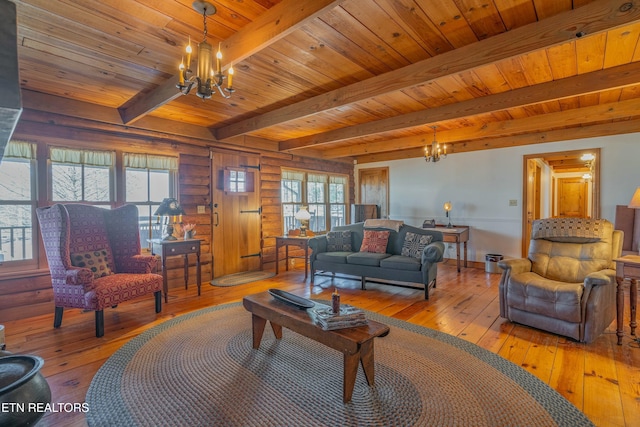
(435,153)
(207,77)
(588,158)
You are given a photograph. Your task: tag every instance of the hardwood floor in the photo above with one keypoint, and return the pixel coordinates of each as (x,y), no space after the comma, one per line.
(602,379)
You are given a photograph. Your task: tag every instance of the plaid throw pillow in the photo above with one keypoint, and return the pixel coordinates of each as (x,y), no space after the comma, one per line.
(375,241)
(339,241)
(96,261)
(414,244)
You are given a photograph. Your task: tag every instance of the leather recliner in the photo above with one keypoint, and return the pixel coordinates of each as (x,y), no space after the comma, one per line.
(567,284)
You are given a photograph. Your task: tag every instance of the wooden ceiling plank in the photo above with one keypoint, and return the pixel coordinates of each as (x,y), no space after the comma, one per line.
(482,16)
(410,26)
(274,24)
(516,13)
(620,45)
(590,19)
(450,24)
(587,83)
(590,53)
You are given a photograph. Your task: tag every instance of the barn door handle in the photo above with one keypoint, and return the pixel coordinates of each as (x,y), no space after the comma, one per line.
(217,219)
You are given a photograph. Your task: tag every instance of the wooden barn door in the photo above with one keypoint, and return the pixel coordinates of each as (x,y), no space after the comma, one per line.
(236,213)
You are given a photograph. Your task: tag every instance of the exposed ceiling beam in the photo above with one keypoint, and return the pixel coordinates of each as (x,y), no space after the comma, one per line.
(576,133)
(573,117)
(588,20)
(274,24)
(616,77)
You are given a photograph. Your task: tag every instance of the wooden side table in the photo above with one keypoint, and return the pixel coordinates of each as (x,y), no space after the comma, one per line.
(457,234)
(627,267)
(300,242)
(167,248)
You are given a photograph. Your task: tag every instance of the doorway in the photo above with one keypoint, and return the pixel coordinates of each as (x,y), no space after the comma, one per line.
(236,213)
(374,188)
(559,184)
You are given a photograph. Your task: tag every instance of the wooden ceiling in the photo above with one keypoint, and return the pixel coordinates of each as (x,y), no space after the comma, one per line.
(347,80)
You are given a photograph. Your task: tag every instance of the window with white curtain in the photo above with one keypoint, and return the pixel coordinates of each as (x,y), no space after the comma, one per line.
(148,180)
(17,203)
(325,196)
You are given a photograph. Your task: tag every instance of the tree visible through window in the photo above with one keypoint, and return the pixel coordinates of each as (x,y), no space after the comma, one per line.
(81,175)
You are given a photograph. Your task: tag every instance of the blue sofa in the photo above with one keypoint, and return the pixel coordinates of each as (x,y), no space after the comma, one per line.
(392,265)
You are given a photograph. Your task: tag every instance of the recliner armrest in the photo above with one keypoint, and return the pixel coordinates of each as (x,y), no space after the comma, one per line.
(600,278)
(516,266)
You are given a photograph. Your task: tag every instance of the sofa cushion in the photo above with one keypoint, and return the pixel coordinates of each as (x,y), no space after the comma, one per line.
(375,241)
(337,257)
(97,261)
(414,244)
(366,258)
(399,262)
(339,241)
(534,294)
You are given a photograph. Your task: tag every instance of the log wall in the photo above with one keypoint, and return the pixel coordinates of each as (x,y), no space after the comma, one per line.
(29,293)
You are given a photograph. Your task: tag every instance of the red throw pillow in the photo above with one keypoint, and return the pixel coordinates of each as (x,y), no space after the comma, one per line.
(375,241)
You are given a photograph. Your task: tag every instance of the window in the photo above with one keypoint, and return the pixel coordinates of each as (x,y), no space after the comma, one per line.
(324,195)
(148,180)
(81,175)
(17,202)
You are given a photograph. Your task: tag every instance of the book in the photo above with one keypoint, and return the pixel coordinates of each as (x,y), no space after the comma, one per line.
(348,317)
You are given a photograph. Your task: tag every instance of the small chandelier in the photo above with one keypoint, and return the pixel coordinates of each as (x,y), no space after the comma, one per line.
(435,153)
(207,77)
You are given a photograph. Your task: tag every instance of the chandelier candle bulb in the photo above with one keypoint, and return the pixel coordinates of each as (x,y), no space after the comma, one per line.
(335,301)
(189,50)
(218,58)
(230,77)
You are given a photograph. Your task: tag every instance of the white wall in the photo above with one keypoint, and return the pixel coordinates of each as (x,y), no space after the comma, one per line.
(481,183)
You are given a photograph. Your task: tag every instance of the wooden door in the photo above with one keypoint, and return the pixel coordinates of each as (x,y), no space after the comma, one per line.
(374,189)
(236,213)
(572,197)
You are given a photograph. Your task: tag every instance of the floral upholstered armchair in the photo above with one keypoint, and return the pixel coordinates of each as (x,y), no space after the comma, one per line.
(567,283)
(94,259)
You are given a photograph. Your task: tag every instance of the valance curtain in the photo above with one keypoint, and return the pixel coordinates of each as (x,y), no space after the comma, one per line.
(150,161)
(20,150)
(79,157)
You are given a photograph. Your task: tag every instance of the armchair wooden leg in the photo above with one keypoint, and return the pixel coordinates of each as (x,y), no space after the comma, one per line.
(363,283)
(158,296)
(99,323)
(57,317)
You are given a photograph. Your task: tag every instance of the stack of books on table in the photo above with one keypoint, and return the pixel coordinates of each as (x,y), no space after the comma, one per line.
(349,317)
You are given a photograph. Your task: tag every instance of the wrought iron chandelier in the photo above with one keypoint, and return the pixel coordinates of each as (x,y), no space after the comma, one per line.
(435,153)
(208,78)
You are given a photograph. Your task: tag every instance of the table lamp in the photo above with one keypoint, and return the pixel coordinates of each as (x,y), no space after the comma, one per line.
(303,216)
(171,212)
(447,209)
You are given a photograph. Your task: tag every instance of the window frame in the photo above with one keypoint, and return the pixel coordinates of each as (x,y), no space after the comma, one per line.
(32,202)
(317,178)
(155,229)
(110,168)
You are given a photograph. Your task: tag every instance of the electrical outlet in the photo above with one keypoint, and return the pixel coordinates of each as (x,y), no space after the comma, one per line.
(201,209)
(513,202)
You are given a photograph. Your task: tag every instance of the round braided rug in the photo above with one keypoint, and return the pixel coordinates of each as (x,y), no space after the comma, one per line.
(199,370)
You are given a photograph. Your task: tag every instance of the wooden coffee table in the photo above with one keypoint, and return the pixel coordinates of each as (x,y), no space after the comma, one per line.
(356,344)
